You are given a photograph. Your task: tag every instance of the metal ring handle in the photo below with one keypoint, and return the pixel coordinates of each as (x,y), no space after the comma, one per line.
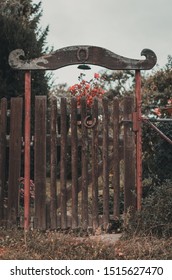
(87,122)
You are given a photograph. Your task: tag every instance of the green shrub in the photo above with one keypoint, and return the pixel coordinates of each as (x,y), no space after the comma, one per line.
(155,218)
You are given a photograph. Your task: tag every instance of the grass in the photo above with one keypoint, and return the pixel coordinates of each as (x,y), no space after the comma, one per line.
(146,236)
(68,246)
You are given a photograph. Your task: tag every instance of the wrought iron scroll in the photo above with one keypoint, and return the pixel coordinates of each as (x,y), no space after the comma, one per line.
(79,54)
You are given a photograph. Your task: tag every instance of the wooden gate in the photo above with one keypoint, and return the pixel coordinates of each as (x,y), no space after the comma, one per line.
(60,58)
(95,154)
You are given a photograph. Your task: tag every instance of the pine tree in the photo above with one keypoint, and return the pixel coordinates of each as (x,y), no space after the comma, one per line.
(19,28)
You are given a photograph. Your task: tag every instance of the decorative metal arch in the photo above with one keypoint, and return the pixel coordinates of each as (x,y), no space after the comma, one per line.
(78,55)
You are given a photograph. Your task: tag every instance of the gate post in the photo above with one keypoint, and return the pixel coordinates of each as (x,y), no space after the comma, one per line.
(27,149)
(138,139)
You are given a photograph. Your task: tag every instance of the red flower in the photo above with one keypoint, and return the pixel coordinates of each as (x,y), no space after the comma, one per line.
(96,76)
(89,89)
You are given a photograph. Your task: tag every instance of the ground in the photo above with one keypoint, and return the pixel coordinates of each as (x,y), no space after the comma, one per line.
(14,244)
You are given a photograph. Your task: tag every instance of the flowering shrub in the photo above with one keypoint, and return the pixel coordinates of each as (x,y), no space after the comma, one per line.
(157,111)
(169,102)
(86,89)
(168,108)
(21,191)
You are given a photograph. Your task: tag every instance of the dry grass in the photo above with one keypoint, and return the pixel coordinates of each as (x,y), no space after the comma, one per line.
(146,248)
(51,245)
(56,245)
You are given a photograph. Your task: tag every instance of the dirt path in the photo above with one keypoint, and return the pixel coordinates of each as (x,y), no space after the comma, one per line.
(106,238)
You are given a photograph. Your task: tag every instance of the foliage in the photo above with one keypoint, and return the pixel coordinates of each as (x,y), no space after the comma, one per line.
(118,83)
(88,89)
(58,91)
(157,93)
(145,248)
(157,89)
(157,153)
(108,83)
(155,218)
(52,245)
(19,28)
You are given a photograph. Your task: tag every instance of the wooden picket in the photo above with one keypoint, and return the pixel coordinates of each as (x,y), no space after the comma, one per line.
(53,162)
(74,159)
(116,159)
(3,123)
(14,158)
(94,146)
(63,170)
(94,151)
(40,162)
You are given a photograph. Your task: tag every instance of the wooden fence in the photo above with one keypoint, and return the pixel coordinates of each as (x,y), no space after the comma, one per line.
(79,168)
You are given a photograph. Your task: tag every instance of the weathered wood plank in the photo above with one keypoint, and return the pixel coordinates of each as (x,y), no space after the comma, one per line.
(63,166)
(94,153)
(40,161)
(53,165)
(84,166)
(14,158)
(3,124)
(105,163)
(82,54)
(129,155)
(100,170)
(74,154)
(116,159)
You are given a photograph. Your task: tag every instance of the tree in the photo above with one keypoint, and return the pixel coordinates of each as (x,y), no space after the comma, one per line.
(19,28)
(157,89)
(118,83)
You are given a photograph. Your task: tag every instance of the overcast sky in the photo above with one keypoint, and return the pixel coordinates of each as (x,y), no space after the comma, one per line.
(125,27)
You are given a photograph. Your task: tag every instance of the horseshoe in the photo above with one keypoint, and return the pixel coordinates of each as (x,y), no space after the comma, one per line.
(87,122)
